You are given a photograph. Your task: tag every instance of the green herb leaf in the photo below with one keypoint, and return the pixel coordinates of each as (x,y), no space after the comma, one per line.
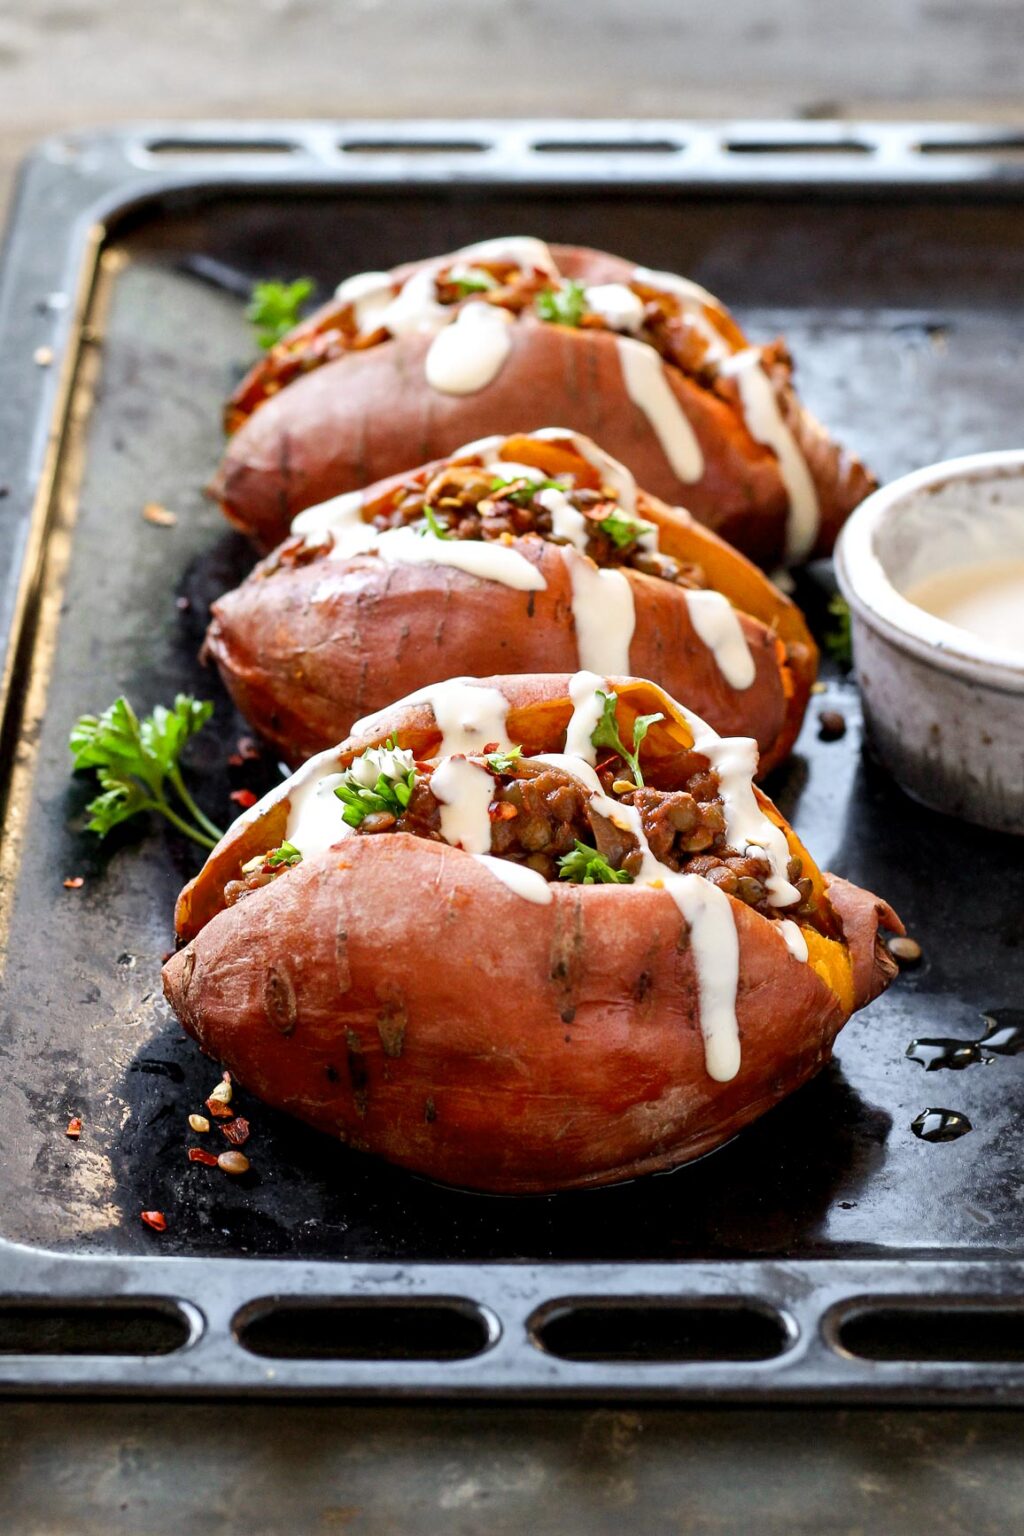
(390,792)
(438,529)
(136,761)
(502,762)
(624,531)
(585,866)
(287,853)
(523,494)
(838,638)
(606,733)
(562,306)
(274,308)
(475,280)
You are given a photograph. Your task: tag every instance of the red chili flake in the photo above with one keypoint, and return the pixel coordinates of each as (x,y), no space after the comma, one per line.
(237,1132)
(501,810)
(74,1129)
(74,882)
(243,797)
(155,1219)
(218,1110)
(200,1155)
(236,760)
(247,748)
(491,746)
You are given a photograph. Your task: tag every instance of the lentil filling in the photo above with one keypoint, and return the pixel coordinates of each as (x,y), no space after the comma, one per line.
(539,813)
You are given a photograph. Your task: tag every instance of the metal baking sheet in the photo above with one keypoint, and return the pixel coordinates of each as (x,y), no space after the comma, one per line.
(890,259)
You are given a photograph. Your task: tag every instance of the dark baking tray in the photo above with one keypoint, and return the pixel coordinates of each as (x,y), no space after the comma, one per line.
(826,1251)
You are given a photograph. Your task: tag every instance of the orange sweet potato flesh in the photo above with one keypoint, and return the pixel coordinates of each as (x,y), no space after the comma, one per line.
(370,413)
(305,650)
(393,993)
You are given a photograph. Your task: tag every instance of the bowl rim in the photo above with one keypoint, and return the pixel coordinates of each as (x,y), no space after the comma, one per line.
(873,598)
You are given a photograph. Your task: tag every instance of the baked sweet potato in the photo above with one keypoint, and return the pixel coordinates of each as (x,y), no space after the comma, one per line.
(645,960)
(579,571)
(646,363)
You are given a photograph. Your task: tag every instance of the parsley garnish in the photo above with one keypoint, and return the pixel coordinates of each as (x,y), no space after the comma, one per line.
(274,308)
(563,306)
(286,854)
(135,760)
(390,792)
(606,733)
(473,281)
(438,529)
(525,492)
(624,531)
(838,640)
(502,762)
(585,866)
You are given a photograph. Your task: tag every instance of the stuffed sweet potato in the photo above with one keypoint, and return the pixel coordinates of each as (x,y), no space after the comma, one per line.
(524,934)
(411,363)
(532,553)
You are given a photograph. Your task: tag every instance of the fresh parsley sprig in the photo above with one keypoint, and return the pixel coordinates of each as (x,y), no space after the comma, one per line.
(434,525)
(585,866)
(137,761)
(389,792)
(273,308)
(473,280)
(503,762)
(606,733)
(838,639)
(562,306)
(523,492)
(624,531)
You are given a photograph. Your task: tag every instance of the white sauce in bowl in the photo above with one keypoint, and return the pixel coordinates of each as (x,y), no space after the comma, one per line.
(985,598)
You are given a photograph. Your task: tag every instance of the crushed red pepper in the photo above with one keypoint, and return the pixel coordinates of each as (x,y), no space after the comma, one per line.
(74,882)
(219,1110)
(243,797)
(200,1155)
(237,1131)
(74,1129)
(155,1219)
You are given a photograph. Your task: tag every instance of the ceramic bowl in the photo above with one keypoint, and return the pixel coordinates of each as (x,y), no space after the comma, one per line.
(943,709)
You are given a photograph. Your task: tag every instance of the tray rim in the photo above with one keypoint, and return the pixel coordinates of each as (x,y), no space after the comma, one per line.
(73,190)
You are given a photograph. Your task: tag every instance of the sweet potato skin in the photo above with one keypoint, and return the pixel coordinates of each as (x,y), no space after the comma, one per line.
(370,413)
(309,649)
(305,649)
(544,1046)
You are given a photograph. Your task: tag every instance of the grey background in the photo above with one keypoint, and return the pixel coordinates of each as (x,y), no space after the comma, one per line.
(169,1468)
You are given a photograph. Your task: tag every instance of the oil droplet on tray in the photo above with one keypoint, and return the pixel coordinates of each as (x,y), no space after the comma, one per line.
(1004,1036)
(940,1125)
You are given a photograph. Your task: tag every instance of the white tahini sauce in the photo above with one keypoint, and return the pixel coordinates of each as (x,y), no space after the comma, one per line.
(618,306)
(566,522)
(794,938)
(465,791)
(717,624)
(486,559)
(766,425)
(586,712)
(530,884)
(603,613)
(470,361)
(986,598)
(468,717)
(341,517)
(647,385)
(469,355)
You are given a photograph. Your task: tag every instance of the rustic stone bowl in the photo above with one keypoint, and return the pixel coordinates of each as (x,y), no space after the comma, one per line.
(943,709)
